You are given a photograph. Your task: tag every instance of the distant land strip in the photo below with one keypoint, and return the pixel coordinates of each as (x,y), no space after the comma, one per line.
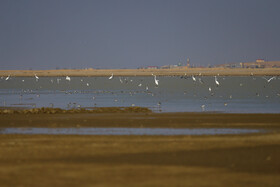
(145,72)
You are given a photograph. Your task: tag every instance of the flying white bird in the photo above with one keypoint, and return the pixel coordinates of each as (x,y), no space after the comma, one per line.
(111,76)
(216,81)
(156,81)
(68,78)
(270,79)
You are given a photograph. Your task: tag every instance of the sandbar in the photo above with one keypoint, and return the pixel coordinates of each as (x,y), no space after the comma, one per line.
(146,72)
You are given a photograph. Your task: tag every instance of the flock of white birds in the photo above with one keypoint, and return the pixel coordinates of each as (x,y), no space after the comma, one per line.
(156,82)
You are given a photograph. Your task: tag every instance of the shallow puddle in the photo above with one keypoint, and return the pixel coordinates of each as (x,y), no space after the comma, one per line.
(128,131)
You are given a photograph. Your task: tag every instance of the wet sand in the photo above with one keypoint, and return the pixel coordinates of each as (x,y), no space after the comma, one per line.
(146,72)
(76,160)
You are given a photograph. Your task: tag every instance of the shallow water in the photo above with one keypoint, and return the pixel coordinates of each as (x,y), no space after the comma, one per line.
(244,94)
(127,131)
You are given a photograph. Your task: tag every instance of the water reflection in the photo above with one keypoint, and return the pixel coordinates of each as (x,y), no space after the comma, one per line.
(128,131)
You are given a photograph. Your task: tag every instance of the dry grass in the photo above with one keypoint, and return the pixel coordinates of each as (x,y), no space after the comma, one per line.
(145,72)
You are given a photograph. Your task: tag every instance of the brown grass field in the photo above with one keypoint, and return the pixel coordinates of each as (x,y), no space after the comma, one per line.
(86,160)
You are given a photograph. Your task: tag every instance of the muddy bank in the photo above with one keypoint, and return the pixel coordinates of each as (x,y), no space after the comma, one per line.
(76,160)
(141,119)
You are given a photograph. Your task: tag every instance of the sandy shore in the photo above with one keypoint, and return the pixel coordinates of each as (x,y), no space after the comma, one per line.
(146,72)
(73,160)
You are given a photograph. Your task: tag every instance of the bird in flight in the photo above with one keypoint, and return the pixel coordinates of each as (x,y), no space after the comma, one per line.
(270,79)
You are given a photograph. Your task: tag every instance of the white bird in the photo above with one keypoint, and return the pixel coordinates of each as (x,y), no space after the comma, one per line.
(201,82)
(7,78)
(147,88)
(87,84)
(140,85)
(36,77)
(68,78)
(156,81)
(203,107)
(270,79)
(121,80)
(209,89)
(216,81)
(111,76)
(193,78)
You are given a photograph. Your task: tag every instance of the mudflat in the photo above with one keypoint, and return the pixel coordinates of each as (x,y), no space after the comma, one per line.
(146,72)
(86,160)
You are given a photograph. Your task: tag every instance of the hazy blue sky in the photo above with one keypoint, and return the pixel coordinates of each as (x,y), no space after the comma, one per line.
(45,34)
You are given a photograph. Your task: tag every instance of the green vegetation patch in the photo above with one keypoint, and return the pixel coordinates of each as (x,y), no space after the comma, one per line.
(79,110)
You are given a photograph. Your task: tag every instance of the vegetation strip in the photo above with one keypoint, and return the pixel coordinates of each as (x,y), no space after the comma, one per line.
(79,110)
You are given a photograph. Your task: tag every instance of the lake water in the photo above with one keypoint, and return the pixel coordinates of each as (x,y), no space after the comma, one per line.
(128,131)
(246,94)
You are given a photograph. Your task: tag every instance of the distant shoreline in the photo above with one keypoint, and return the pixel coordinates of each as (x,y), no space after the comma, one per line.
(144,72)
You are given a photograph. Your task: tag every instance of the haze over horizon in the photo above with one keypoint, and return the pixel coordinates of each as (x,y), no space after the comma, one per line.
(130,34)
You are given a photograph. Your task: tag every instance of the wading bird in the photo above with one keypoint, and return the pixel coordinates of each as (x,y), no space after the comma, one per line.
(111,76)
(156,81)
(36,77)
(193,78)
(7,78)
(68,78)
(121,80)
(203,107)
(216,81)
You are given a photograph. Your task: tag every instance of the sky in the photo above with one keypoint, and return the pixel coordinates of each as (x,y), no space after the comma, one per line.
(50,34)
